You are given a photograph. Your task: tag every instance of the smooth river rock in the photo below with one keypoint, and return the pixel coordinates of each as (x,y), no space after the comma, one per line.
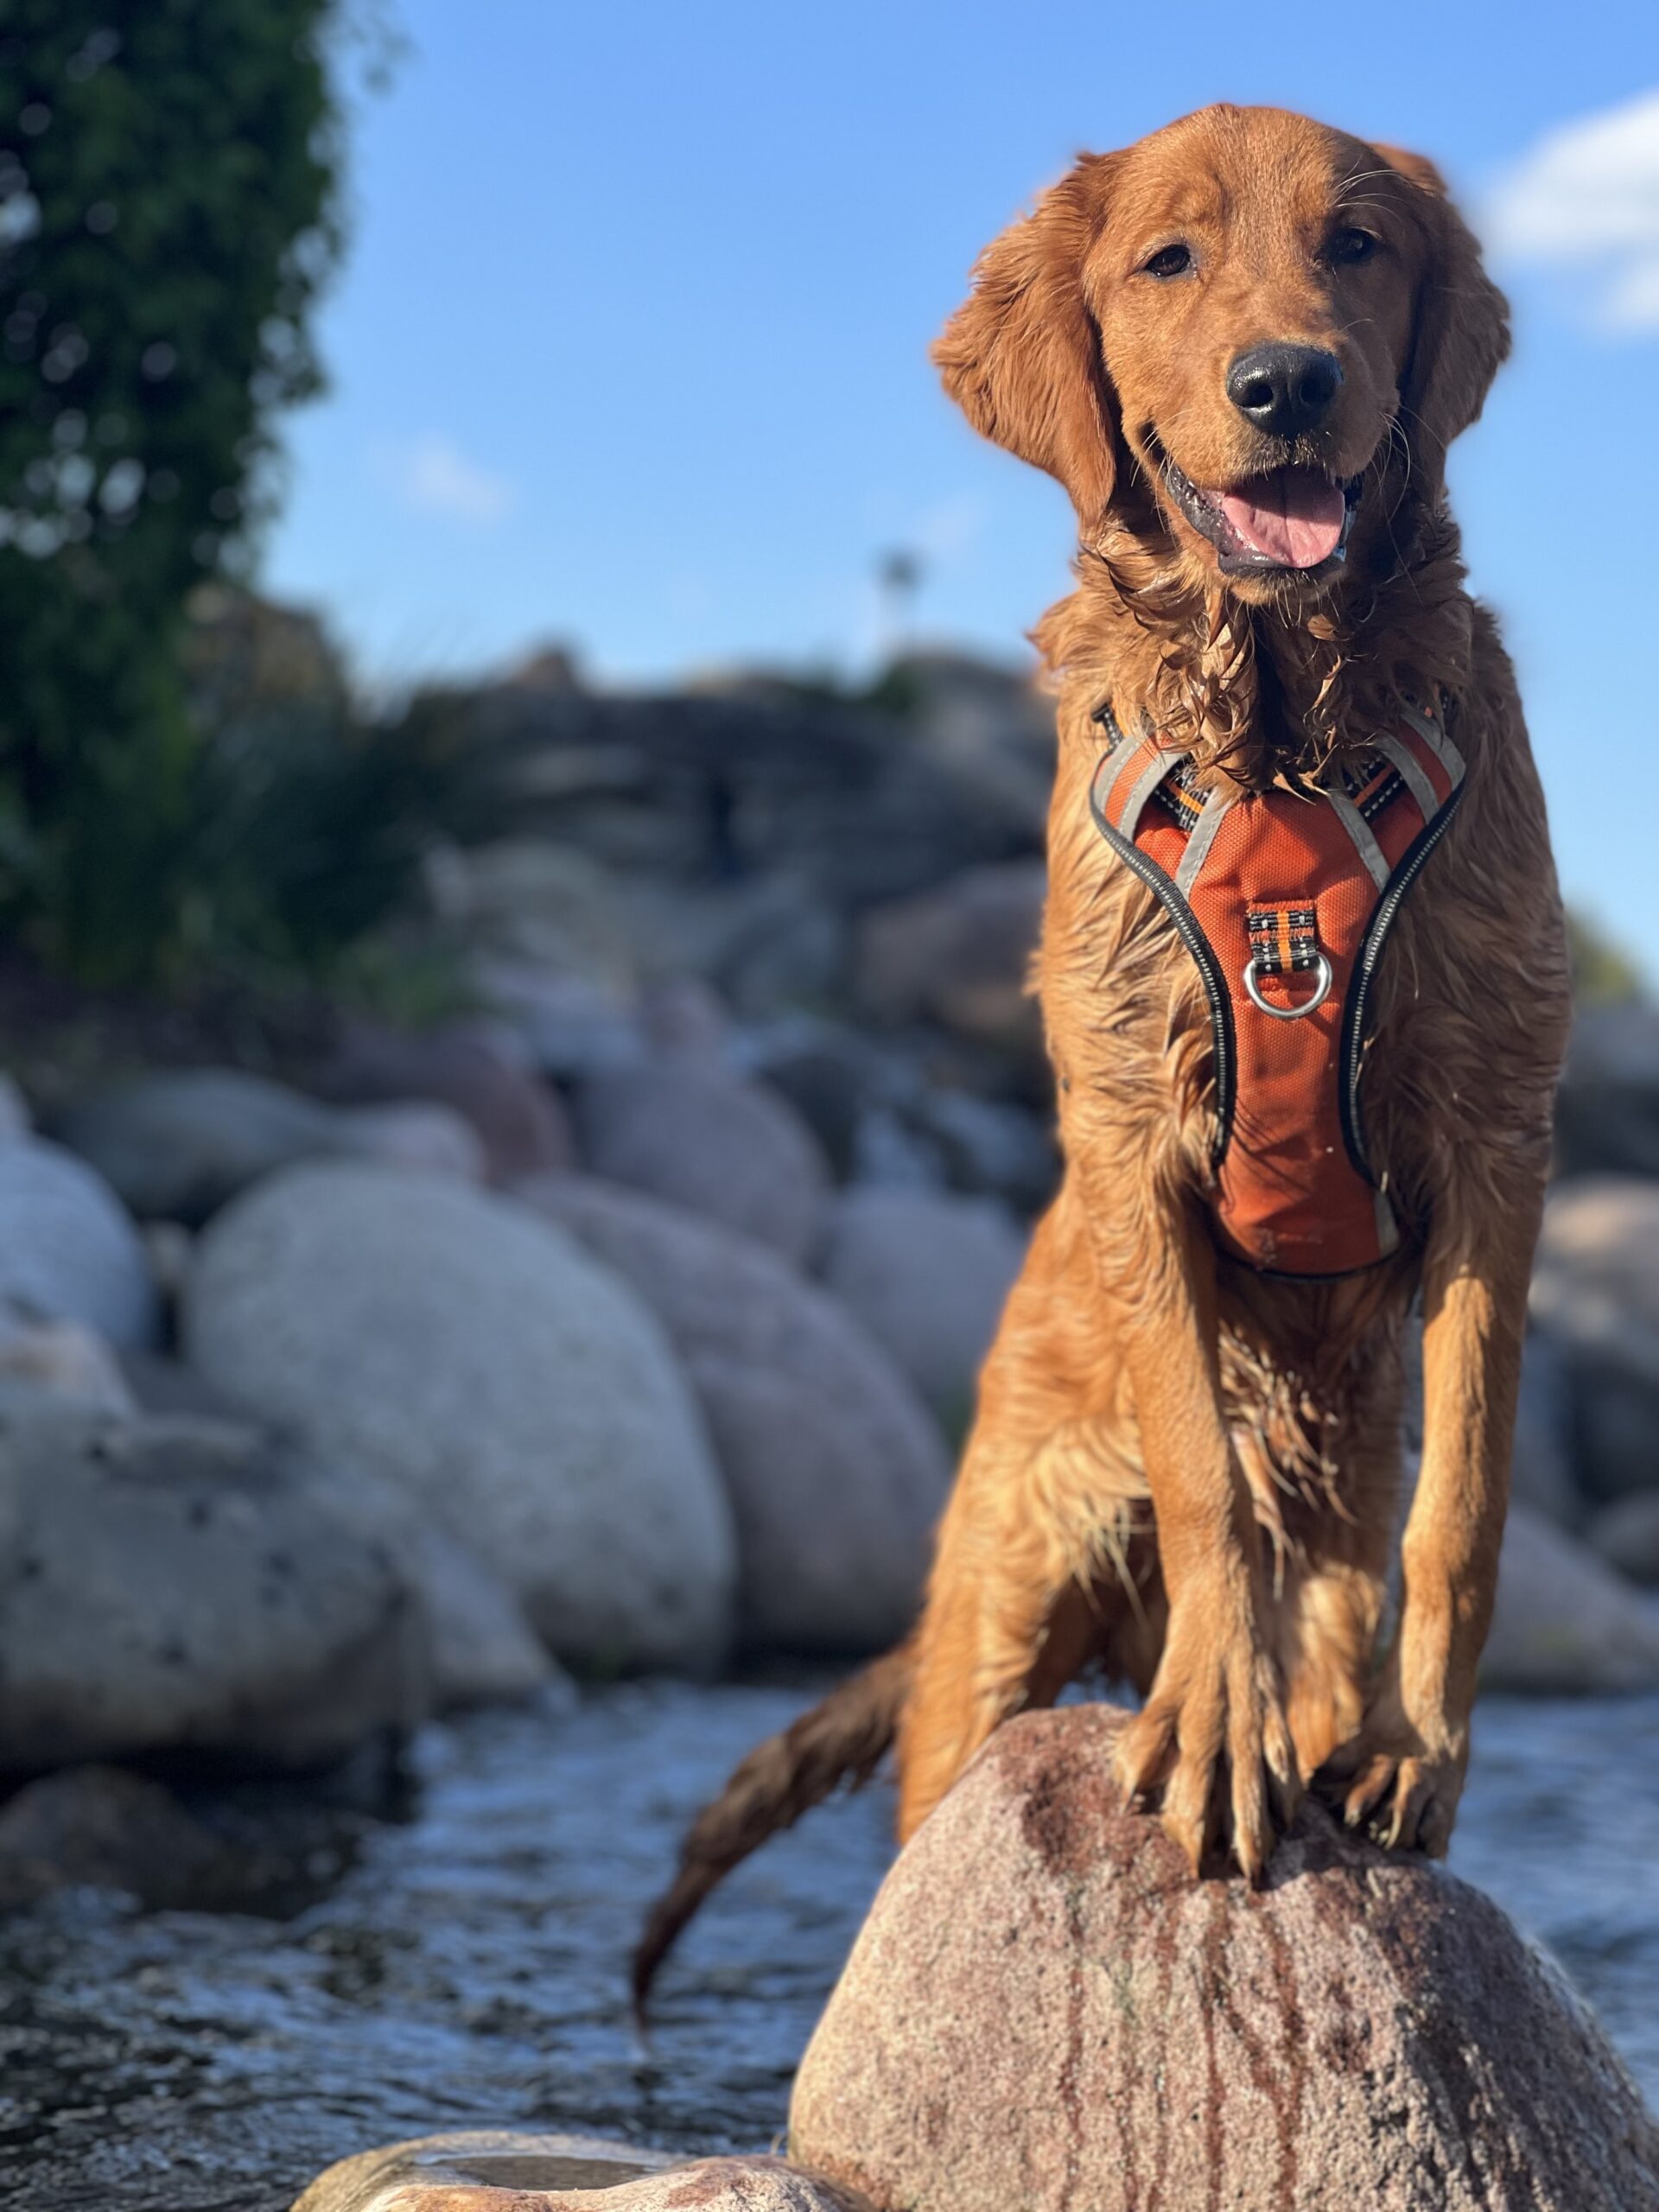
(177,1144)
(1595,1293)
(834,1468)
(928,1273)
(476,1357)
(499,2171)
(685,1131)
(67,1251)
(1045,2012)
(171,1584)
(1565,1624)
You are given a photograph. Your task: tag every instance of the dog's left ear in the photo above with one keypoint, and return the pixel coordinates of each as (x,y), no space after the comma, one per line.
(1462,333)
(1022,355)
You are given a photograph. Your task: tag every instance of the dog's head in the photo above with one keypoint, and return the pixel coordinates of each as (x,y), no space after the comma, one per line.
(1238,338)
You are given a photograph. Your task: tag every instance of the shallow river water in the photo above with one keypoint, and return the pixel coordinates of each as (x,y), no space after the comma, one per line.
(467,1970)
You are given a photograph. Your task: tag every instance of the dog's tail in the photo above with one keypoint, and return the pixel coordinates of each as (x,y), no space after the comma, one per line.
(843,1739)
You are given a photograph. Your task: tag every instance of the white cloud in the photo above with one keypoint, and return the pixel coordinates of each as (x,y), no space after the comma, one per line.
(431,475)
(1585,199)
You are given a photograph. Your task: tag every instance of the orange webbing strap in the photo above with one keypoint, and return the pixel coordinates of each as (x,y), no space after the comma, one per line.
(1284,898)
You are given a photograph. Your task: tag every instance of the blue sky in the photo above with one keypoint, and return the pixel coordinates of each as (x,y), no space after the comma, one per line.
(630,351)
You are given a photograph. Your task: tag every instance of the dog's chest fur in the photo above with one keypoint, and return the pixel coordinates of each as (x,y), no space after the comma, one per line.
(1470,1009)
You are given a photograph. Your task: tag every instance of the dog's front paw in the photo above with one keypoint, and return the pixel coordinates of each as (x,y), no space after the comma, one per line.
(1399,1783)
(1213,1747)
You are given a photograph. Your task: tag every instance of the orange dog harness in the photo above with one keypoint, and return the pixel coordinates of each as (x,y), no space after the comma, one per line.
(1285,898)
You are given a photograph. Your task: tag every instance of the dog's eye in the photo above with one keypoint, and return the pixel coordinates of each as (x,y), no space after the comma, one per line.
(1168,261)
(1352,245)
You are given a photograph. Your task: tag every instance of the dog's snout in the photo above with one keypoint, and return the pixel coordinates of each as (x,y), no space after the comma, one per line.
(1284,389)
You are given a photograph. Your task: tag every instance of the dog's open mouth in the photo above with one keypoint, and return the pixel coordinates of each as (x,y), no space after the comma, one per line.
(1290,519)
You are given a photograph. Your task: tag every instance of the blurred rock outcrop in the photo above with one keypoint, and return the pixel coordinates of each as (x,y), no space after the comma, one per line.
(835,1472)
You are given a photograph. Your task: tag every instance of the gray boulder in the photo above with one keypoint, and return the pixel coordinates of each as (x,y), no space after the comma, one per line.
(479,1644)
(568,1027)
(534,900)
(15,1120)
(476,1358)
(104,1827)
(1595,1294)
(62,1360)
(68,1252)
(173,1584)
(928,1276)
(1541,1465)
(1627,1536)
(707,1141)
(1607,1111)
(515,2171)
(959,955)
(835,1470)
(418,1133)
(178,1145)
(1045,2011)
(1564,1623)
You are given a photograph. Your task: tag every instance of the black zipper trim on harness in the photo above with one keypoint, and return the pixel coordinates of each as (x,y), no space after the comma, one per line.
(1405,874)
(1203,958)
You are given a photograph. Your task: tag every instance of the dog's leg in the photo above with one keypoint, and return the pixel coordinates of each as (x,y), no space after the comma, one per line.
(1327,1642)
(1006,1627)
(1404,1773)
(1330,1605)
(1212,1739)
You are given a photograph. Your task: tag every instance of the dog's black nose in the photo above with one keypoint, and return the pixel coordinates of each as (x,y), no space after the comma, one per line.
(1284,389)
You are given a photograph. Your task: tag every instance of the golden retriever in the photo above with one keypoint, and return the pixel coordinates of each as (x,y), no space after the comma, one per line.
(1243,347)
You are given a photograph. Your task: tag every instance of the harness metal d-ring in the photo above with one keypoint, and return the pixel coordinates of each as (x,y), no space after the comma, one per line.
(1322,991)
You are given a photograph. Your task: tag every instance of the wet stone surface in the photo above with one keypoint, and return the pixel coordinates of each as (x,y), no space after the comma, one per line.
(468,1971)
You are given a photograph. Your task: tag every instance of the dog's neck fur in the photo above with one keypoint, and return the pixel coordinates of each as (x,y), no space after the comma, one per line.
(1260,693)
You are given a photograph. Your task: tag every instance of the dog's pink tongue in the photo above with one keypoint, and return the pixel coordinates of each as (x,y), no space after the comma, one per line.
(1296,521)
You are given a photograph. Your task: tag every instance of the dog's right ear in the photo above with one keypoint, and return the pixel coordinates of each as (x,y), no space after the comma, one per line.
(1022,355)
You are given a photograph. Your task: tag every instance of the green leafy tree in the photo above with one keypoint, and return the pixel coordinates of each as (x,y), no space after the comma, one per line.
(168,208)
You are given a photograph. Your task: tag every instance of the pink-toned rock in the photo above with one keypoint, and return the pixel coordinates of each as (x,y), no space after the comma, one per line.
(1045,2012)
(491,2170)
(958,955)
(518,1117)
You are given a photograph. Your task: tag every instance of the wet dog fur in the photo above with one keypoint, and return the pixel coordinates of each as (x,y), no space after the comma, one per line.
(1181,1471)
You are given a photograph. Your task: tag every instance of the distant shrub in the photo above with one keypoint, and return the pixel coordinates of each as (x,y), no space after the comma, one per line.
(1604,973)
(168,208)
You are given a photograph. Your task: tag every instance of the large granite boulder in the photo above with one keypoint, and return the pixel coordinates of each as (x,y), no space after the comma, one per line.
(488,2170)
(928,1273)
(1627,1536)
(176,1145)
(173,1584)
(475,1357)
(1595,1292)
(835,1470)
(683,1130)
(1044,2011)
(67,1251)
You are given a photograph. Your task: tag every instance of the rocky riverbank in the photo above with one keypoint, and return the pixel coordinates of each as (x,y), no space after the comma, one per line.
(463,1965)
(625,1324)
